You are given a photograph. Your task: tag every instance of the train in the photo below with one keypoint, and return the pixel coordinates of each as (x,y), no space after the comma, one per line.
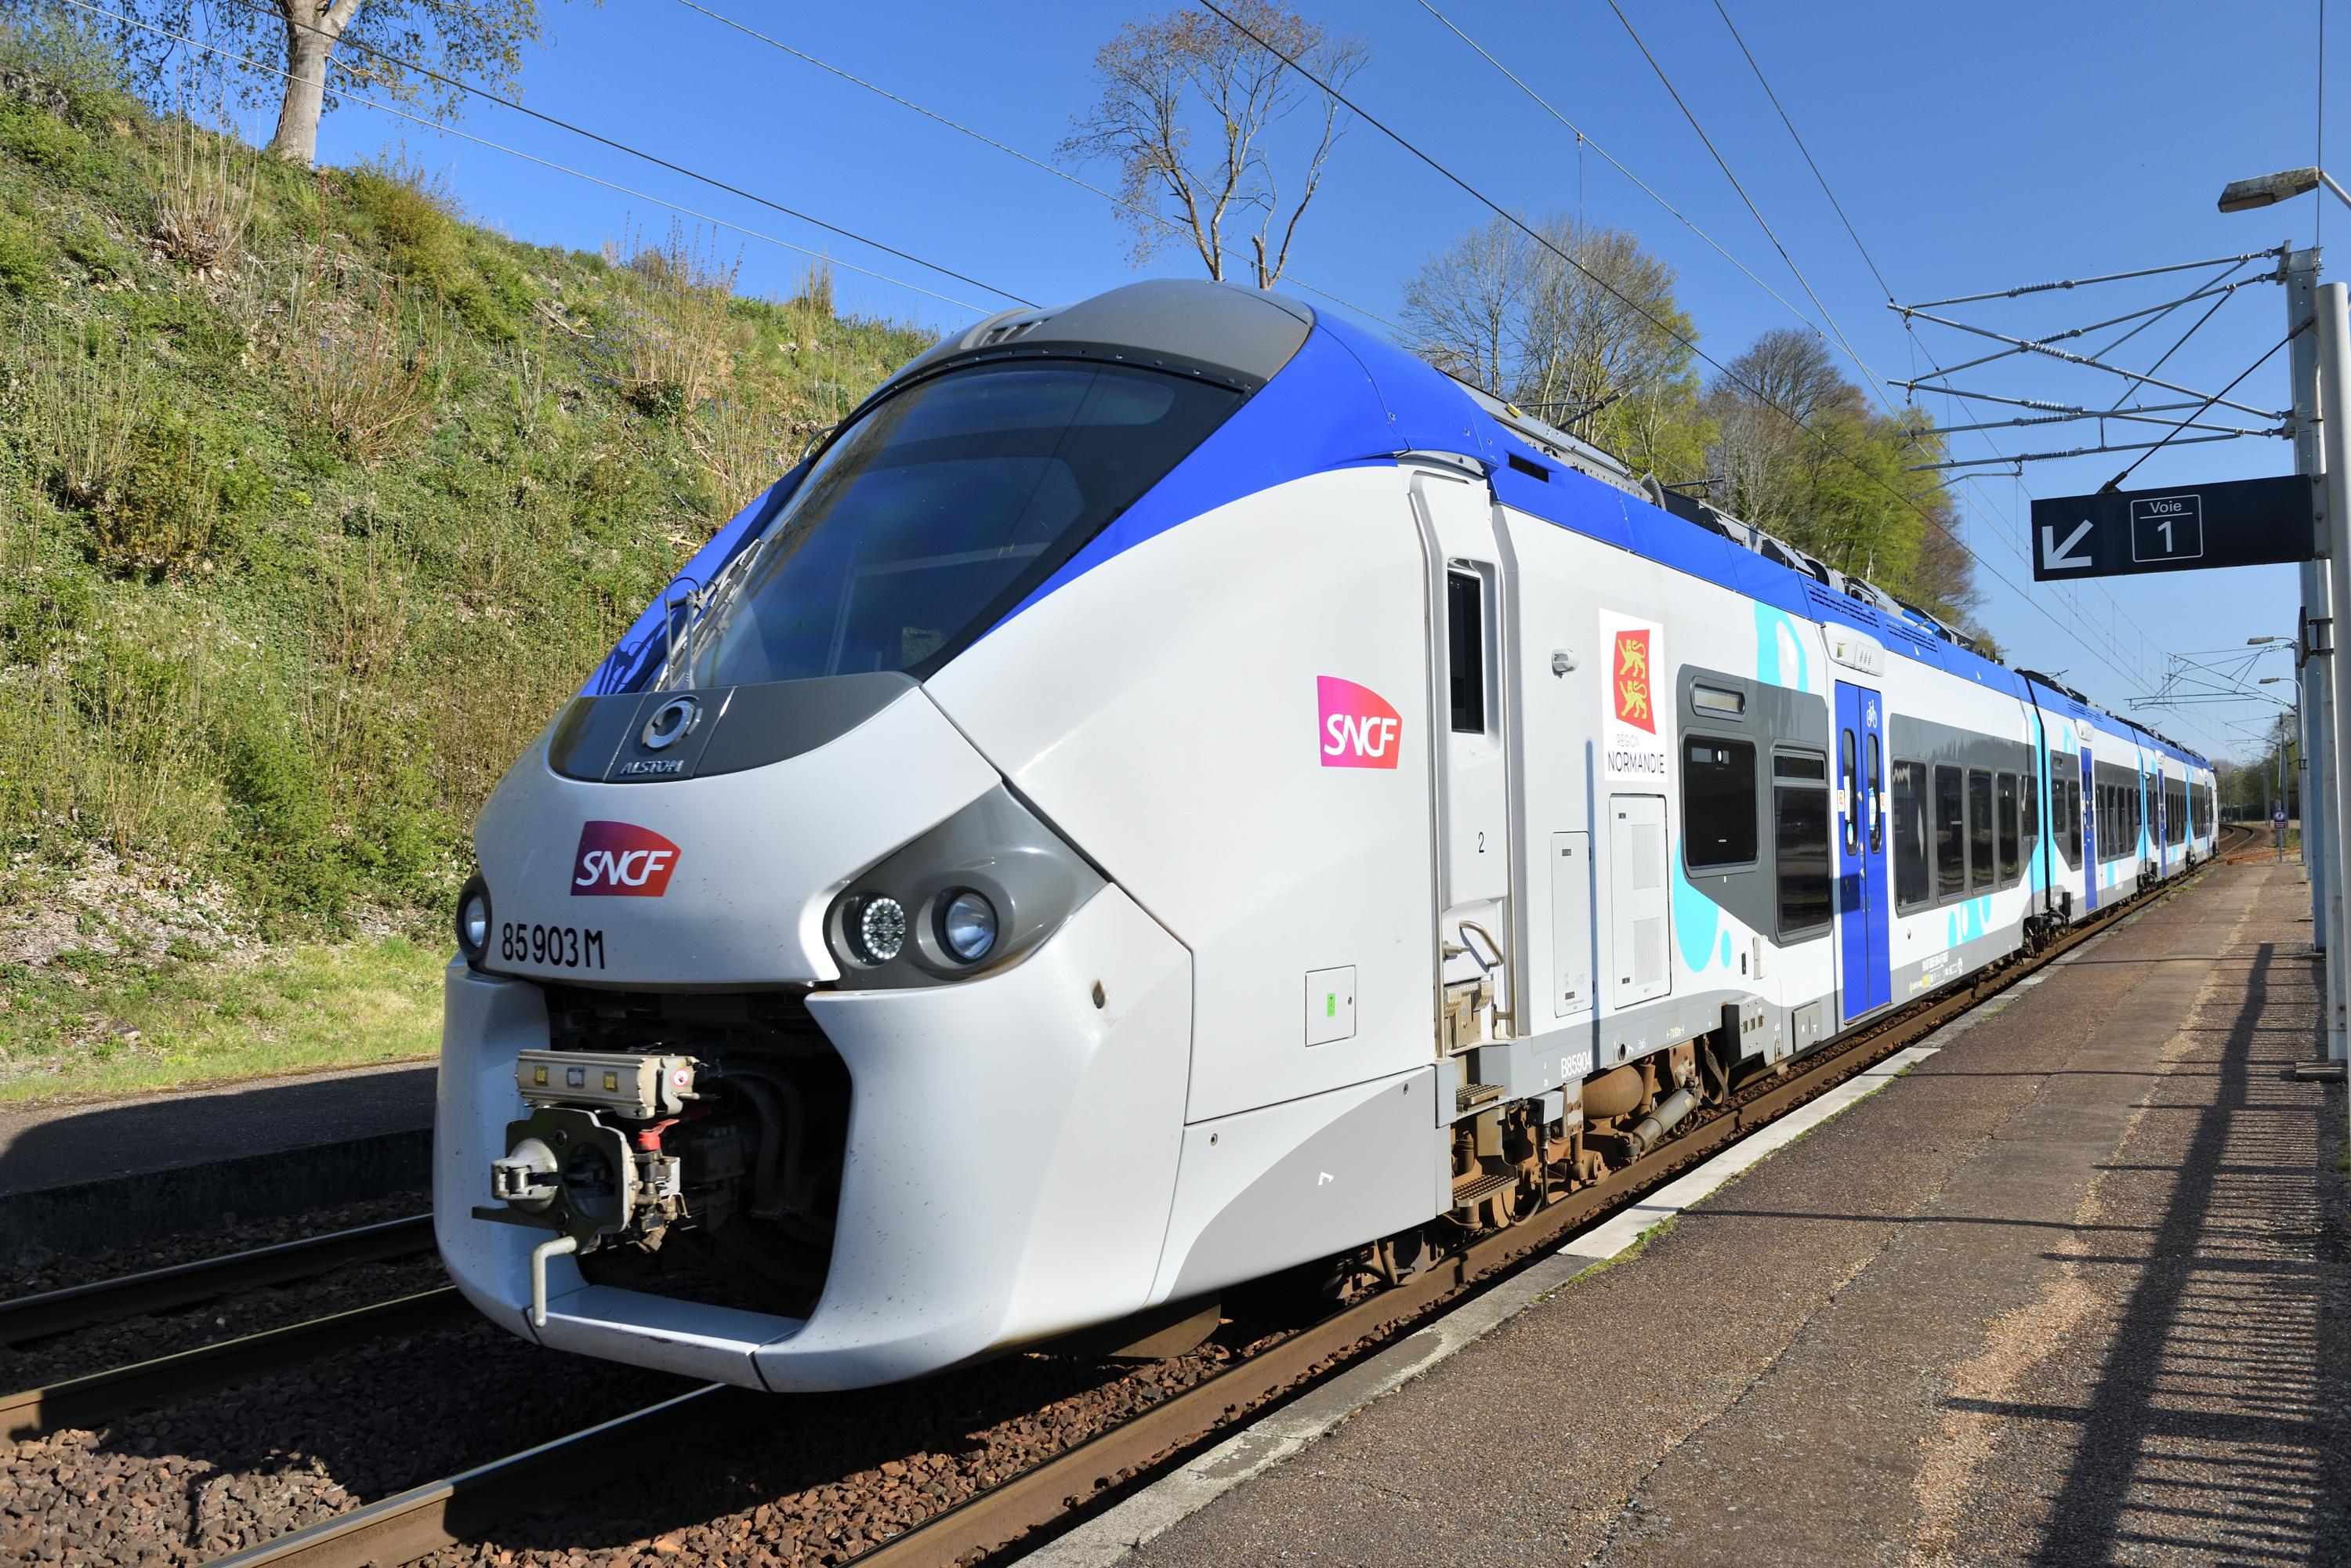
(1174,792)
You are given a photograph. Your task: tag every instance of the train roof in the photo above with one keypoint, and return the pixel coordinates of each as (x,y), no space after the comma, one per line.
(1345,395)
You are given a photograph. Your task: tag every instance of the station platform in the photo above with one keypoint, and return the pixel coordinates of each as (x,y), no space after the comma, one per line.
(84,1177)
(2074,1289)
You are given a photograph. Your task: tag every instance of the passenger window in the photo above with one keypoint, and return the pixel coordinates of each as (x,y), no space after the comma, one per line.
(1979,830)
(1874,785)
(1846,779)
(1464,637)
(1951,834)
(2012,849)
(1799,835)
(2031,811)
(1910,881)
(1717,802)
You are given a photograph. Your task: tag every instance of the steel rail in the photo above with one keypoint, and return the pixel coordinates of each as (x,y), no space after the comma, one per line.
(405,1527)
(182,1285)
(101,1396)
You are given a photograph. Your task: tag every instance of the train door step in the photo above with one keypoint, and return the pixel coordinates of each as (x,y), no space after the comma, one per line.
(1469,1096)
(1469,1189)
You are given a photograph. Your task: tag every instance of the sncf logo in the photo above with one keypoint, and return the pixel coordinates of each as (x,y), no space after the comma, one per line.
(1359,728)
(621,859)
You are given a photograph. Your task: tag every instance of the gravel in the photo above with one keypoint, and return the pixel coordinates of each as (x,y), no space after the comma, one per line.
(133,1339)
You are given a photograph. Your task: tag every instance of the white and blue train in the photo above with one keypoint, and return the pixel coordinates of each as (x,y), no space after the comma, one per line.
(1176,788)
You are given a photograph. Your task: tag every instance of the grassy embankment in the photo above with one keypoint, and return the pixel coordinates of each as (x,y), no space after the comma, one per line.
(316,500)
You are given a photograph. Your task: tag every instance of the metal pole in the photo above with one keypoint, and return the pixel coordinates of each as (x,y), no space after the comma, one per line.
(2320,862)
(2333,312)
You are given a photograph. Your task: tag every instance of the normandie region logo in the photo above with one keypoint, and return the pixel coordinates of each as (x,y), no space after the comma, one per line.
(1631,679)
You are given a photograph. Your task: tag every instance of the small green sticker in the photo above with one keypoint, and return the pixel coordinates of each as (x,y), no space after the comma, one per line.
(1330,1004)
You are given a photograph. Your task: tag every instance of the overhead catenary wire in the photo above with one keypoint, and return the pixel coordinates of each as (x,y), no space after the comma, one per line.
(1756,213)
(1762,397)
(1918,345)
(1838,206)
(458,85)
(1122,203)
(1583,141)
(204,47)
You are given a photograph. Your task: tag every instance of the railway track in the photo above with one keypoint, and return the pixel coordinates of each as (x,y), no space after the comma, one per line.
(406,1526)
(29,1318)
(101,1396)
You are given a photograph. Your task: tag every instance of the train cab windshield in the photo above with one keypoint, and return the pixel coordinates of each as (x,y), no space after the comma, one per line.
(937,511)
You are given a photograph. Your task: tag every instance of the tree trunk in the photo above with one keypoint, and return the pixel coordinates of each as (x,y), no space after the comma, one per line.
(306,91)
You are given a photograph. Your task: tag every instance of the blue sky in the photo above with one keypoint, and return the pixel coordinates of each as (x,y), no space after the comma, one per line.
(1973,148)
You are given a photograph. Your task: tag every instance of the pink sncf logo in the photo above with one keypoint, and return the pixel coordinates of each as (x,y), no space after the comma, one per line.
(620,860)
(1359,728)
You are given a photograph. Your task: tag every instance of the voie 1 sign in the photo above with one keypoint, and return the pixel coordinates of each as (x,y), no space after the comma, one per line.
(2230,522)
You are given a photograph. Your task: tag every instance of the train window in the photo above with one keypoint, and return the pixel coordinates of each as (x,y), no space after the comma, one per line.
(1911,885)
(1847,779)
(1951,834)
(2011,845)
(1979,834)
(1714,699)
(1873,780)
(1807,764)
(1800,839)
(2031,811)
(947,504)
(1717,802)
(2073,821)
(1465,641)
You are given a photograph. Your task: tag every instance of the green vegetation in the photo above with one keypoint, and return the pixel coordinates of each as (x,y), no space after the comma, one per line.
(85,1023)
(316,501)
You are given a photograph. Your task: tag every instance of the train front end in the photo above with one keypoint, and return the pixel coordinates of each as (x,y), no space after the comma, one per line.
(787,1046)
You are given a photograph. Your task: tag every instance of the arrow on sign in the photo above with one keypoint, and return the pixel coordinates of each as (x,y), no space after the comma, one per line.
(2056,556)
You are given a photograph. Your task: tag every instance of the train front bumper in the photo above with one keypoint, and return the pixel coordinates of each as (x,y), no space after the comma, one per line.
(1010,1162)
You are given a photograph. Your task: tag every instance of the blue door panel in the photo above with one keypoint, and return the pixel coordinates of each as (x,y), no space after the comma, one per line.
(1864,902)
(2090,846)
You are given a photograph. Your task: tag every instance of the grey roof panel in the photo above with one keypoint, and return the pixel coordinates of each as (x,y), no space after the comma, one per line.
(1246,331)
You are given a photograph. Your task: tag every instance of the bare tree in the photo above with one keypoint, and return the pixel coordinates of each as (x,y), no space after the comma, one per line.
(1578,326)
(332,47)
(1158,74)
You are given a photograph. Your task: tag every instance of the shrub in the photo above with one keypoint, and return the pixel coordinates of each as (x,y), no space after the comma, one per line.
(94,391)
(411,214)
(40,139)
(68,55)
(169,513)
(28,266)
(670,346)
(205,200)
(352,384)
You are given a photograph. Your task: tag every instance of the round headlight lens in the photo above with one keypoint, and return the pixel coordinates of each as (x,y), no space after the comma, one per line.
(967,926)
(880,928)
(474,919)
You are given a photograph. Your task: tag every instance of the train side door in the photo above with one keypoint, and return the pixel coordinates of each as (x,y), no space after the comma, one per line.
(2162,787)
(1475,856)
(1865,908)
(2090,846)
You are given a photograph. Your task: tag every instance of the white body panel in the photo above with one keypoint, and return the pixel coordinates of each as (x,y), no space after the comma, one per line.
(1163,715)
(761,853)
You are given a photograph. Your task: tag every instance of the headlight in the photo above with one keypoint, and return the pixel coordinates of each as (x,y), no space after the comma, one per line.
(880,927)
(967,926)
(474,919)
